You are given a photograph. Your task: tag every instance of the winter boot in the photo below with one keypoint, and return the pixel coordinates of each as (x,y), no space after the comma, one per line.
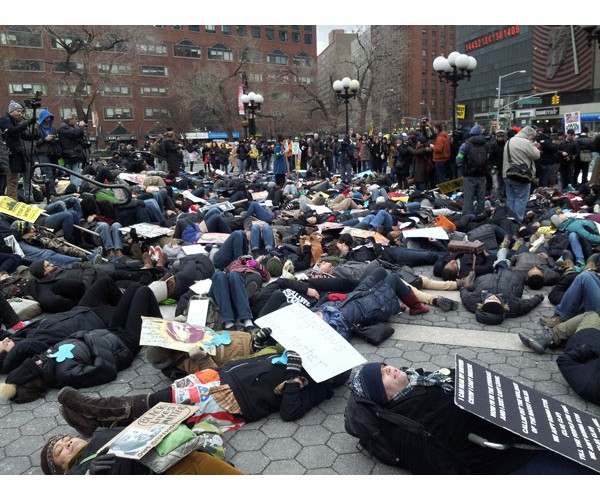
(445,304)
(538,341)
(414,306)
(468,282)
(108,411)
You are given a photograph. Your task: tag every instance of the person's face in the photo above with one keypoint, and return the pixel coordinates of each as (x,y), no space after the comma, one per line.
(66,449)
(46,122)
(326,267)
(48,267)
(453,265)
(18,114)
(394,380)
(6,345)
(72,121)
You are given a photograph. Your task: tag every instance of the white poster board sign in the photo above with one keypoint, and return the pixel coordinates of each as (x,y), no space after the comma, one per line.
(439,233)
(325,353)
(573,122)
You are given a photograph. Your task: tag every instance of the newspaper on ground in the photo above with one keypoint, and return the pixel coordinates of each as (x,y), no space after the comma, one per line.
(178,335)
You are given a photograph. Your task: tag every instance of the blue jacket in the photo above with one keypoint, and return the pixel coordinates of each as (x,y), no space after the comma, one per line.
(583,227)
(279,163)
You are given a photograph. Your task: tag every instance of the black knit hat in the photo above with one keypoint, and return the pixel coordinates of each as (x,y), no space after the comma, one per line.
(46,459)
(36,269)
(368,383)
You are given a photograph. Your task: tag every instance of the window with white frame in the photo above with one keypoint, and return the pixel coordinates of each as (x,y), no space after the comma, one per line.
(146,90)
(70,89)
(153,113)
(154,71)
(153,49)
(20,36)
(277,57)
(187,48)
(24,65)
(117,90)
(26,88)
(114,69)
(118,113)
(67,112)
(63,67)
(302,59)
(220,52)
(250,55)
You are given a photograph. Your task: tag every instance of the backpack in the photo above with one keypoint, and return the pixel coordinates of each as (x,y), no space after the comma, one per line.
(476,160)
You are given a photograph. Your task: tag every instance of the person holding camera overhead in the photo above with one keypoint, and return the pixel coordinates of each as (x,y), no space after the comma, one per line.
(47,147)
(14,129)
(72,136)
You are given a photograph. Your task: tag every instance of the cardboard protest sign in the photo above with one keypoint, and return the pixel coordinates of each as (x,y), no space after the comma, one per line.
(528,413)
(450,186)
(325,353)
(149,430)
(177,335)
(147,230)
(19,210)
(365,233)
(439,233)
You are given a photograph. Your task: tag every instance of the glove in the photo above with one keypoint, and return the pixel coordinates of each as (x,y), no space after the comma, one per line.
(541,297)
(294,365)
(103,463)
(261,339)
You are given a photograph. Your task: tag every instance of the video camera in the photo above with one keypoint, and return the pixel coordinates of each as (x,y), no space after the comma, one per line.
(35,102)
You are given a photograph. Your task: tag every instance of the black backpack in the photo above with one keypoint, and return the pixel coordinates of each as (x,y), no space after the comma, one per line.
(476,160)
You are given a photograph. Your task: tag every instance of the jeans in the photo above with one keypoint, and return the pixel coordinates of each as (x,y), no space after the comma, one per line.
(228,290)
(345,170)
(75,167)
(582,296)
(545,173)
(257,210)
(550,463)
(62,220)
(373,221)
(235,246)
(517,196)
(441,171)
(241,163)
(37,253)
(473,191)
(411,256)
(576,247)
(261,236)
(9,262)
(377,192)
(213,218)
(155,214)
(110,236)
(49,173)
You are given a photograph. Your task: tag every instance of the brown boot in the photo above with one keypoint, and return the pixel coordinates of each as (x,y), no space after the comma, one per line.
(468,282)
(106,411)
(414,306)
(82,424)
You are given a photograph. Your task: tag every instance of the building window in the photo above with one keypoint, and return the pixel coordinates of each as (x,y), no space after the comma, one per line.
(195,28)
(118,113)
(178,27)
(114,69)
(241,31)
(26,88)
(187,48)
(67,112)
(250,55)
(295,37)
(119,47)
(226,29)
(255,32)
(280,96)
(210,28)
(117,90)
(72,67)
(153,113)
(277,57)
(154,70)
(308,39)
(254,77)
(424,53)
(304,80)
(278,78)
(295,27)
(283,36)
(24,65)
(270,34)
(302,59)
(71,89)
(153,91)
(220,52)
(308,29)
(20,36)
(153,49)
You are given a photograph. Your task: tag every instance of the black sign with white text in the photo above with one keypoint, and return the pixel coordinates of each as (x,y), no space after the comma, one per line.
(528,413)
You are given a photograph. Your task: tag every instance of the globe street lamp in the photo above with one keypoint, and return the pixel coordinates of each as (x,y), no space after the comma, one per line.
(346,89)
(454,69)
(499,94)
(252,102)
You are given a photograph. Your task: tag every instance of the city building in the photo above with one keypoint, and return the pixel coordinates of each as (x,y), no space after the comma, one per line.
(131,82)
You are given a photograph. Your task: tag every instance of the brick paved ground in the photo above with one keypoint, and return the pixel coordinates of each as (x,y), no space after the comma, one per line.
(317,443)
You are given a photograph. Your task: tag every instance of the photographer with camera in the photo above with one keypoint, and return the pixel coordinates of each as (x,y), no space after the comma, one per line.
(72,135)
(14,130)
(47,148)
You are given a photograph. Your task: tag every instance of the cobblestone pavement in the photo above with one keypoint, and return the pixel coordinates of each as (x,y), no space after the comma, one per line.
(317,443)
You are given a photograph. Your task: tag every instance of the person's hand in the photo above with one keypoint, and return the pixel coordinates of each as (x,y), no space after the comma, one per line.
(311,292)
(103,463)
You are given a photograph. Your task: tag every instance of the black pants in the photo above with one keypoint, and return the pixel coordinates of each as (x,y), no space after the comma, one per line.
(8,317)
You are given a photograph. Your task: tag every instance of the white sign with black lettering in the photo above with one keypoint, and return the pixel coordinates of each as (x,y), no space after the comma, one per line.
(325,353)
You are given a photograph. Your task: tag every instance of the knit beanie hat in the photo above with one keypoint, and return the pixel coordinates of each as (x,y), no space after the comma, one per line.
(21,227)
(14,106)
(555,220)
(274,267)
(36,269)
(367,383)
(46,459)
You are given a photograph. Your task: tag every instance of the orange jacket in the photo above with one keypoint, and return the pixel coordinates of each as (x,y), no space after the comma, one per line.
(441,147)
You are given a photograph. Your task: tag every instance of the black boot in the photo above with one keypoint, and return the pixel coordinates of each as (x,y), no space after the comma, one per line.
(538,341)
(106,412)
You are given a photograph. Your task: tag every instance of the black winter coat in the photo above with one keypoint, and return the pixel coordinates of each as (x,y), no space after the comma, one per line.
(71,141)
(14,133)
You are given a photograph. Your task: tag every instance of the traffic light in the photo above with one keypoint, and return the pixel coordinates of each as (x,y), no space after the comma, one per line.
(555,99)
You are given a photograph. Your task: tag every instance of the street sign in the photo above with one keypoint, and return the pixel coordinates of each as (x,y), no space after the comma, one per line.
(460,111)
(531,100)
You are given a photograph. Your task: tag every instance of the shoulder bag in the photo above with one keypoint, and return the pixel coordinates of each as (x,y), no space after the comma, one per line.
(517,171)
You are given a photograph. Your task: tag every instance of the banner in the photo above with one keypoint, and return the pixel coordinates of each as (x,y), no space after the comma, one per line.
(573,122)
(450,186)
(325,353)
(528,413)
(19,210)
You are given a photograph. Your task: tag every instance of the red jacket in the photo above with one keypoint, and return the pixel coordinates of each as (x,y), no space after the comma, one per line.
(441,147)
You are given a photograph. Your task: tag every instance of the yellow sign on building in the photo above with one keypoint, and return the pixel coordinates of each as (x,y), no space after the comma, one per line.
(460,111)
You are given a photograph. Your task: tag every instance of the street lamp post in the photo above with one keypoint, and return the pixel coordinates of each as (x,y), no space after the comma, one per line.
(454,69)
(252,103)
(499,93)
(346,89)
(423,103)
